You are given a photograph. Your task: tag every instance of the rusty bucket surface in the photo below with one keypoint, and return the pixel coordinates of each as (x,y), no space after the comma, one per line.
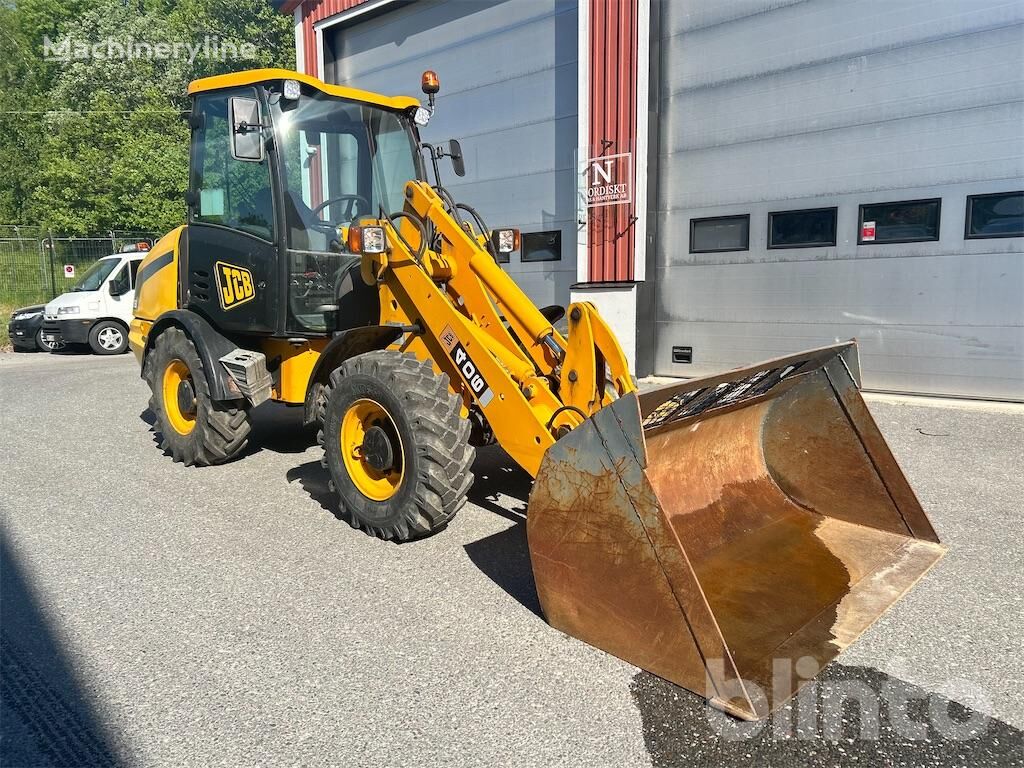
(731,534)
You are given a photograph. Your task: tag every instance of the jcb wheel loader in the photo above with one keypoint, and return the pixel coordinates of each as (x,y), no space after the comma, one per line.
(712,532)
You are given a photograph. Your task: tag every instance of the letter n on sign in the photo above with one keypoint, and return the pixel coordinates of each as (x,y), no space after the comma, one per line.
(609,180)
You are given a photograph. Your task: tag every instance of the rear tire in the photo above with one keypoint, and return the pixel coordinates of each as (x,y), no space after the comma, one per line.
(108,337)
(194,429)
(422,481)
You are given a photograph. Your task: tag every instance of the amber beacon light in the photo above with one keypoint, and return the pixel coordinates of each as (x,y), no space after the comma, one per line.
(429,82)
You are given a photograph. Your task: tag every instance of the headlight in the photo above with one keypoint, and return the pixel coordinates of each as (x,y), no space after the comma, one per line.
(68,310)
(27,315)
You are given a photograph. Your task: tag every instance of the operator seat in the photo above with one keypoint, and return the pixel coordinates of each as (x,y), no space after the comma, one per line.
(299,219)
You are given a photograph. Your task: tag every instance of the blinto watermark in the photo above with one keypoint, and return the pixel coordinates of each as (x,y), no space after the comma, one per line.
(838,709)
(69,49)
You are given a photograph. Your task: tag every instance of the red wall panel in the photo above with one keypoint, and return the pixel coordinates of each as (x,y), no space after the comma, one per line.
(314,11)
(613,76)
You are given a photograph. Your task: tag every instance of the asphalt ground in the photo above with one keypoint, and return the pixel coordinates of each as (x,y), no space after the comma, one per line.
(154,614)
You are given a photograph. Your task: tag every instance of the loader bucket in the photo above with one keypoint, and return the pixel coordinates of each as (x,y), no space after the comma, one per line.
(730,534)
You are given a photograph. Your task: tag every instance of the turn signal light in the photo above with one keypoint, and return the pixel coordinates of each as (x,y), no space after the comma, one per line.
(430,83)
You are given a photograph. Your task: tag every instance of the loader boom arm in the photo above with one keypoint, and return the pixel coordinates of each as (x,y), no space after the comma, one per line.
(479,327)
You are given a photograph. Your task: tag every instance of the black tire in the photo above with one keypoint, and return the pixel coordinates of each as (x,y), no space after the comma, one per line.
(108,337)
(44,346)
(434,443)
(221,429)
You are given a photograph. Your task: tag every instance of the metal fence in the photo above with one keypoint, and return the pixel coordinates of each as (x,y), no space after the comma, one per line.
(37,265)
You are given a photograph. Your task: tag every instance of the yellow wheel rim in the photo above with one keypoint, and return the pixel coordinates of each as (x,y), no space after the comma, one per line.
(373,482)
(181,416)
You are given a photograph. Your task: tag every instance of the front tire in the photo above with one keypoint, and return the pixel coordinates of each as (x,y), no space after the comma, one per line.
(194,428)
(396,445)
(44,346)
(108,337)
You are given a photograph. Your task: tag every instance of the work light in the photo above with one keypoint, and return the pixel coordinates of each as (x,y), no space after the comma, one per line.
(421,116)
(292,89)
(505,240)
(367,240)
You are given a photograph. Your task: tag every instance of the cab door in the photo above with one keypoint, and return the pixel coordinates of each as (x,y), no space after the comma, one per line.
(117,293)
(231,254)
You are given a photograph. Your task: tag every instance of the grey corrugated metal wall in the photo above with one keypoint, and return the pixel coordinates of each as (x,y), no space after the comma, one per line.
(765,106)
(508,93)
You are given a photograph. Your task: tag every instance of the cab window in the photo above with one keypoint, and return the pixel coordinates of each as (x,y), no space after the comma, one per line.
(228,192)
(122,281)
(341,161)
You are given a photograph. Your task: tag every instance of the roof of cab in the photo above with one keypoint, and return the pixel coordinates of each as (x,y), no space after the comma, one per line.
(253,76)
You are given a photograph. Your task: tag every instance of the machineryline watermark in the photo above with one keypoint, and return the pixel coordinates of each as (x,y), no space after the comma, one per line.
(68,49)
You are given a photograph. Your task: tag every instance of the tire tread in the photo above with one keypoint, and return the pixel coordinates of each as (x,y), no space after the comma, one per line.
(221,432)
(441,437)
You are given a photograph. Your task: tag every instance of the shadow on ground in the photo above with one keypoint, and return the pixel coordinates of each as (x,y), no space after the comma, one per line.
(278,428)
(73,350)
(45,718)
(851,716)
(500,488)
(503,488)
(496,475)
(275,427)
(314,480)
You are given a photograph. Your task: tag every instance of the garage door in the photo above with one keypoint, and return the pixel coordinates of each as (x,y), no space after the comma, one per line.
(508,93)
(832,170)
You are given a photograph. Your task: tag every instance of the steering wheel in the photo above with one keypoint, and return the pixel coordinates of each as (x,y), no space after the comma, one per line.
(355,203)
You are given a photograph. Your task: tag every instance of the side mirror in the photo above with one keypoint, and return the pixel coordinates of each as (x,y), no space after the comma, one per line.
(246,129)
(114,290)
(455,153)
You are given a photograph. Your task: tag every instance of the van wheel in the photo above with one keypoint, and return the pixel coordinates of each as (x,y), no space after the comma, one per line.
(396,445)
(44,346)
(108,337)
(194,429)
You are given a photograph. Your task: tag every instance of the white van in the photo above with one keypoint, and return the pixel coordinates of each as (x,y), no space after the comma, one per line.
(98,309)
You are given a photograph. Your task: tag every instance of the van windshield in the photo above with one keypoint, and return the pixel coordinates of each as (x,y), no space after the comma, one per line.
(96,274)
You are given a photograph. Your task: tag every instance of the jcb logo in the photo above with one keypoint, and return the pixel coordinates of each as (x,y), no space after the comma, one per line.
(234,285)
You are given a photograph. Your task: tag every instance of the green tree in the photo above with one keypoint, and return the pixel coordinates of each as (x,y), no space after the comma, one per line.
(93,144)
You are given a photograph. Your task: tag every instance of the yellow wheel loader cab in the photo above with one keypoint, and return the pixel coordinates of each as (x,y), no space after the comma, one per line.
(713,532)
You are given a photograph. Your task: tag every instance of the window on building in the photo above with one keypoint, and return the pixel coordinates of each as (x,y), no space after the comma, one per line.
(802,229)
(902,222)
(997,215)
(720,233)
(542,246)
